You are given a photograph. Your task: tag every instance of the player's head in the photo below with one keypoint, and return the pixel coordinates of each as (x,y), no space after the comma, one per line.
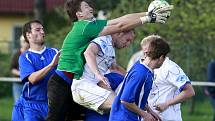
(122,39)
(24,43)
(79,9)
(156,49)
(33,32)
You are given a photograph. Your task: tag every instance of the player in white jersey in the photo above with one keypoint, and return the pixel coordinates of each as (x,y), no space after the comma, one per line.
(170,87)
(91,90)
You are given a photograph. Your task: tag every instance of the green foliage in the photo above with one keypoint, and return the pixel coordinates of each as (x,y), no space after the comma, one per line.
(110,4)
(6,104)
(5,87)
(57,26)
(190,32)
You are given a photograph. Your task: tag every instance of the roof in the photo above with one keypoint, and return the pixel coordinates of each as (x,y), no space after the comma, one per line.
(26,6)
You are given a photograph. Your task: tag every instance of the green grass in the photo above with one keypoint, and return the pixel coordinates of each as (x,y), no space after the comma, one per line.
(202,111)
(6,105)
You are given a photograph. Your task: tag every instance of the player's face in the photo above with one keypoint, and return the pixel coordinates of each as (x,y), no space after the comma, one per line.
(86,11)
(124,39)
(37,34)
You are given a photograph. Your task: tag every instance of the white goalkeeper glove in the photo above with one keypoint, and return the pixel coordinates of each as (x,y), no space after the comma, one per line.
(157,15)
(152,17)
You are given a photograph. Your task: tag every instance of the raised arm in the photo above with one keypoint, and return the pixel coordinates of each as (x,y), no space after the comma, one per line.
(131,21)
(38,75)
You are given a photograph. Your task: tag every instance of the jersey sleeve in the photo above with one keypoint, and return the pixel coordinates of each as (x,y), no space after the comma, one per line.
(93,28)
(26,67)
(177,77)
(131,87)
(101,42)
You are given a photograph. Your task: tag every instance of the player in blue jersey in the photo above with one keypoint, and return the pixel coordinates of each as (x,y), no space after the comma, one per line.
(36,66)
(130,103)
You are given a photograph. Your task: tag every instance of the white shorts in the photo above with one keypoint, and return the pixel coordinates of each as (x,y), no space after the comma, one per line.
(89,94)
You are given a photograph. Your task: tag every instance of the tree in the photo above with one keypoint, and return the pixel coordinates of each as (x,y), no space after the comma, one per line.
(40,9)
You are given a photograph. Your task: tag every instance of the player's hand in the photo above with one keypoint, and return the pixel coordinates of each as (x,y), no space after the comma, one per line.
(104,81)
(147,117)
(152,17)
(157,15)
(55,59)
(161,107)
(155,115)
(163,9)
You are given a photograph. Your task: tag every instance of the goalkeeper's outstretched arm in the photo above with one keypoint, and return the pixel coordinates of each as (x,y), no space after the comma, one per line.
(131,21)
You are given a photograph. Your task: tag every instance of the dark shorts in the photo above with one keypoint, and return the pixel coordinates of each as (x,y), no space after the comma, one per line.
(60,103)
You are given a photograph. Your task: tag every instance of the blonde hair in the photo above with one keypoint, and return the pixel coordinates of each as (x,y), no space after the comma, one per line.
(149,38)
(156,46)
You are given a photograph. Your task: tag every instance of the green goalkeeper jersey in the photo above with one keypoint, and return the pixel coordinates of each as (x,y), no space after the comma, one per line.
(76,42)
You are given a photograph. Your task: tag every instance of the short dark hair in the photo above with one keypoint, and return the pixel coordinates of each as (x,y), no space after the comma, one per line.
(157,47)
(73,6)
(27,28)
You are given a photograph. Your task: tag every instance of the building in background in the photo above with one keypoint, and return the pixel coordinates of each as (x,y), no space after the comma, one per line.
(13,14)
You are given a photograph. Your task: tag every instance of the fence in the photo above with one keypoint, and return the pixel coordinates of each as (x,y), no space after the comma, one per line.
(194,83)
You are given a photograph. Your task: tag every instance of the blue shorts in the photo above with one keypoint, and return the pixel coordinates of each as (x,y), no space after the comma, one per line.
(35,111)
(18,110)
(94,116)
(115,79)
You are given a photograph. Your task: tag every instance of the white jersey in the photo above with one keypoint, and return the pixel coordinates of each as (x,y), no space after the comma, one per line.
(104,59)
(169,81)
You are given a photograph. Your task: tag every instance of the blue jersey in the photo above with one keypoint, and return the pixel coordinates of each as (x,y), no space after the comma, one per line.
(135,89)
(32,61)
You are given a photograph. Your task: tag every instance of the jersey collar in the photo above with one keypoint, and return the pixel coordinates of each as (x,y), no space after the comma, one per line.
(146,66)
(38,52)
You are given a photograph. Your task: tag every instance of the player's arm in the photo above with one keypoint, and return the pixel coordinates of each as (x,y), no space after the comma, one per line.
(38,75)
(154,114)
(15,72)
(134,108)
(123,23)
(186,93)
(130,21)
(90,56)
(14,65)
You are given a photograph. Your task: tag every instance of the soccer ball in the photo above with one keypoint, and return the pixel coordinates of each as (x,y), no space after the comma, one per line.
(157,4)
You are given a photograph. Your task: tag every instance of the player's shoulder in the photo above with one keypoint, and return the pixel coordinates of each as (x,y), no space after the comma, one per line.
(52,49)
(103,40)
(169,64)
(141,69)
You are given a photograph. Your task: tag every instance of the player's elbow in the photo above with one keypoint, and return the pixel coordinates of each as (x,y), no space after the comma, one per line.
(125,103)
(32,80)
(190,91)
(87,53)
